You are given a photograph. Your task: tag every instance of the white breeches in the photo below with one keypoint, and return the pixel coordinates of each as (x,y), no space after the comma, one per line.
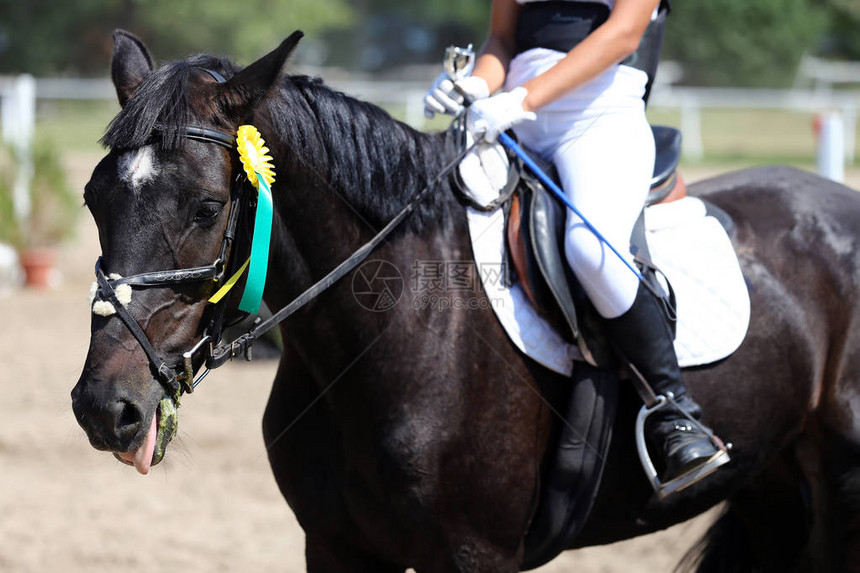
(604,153)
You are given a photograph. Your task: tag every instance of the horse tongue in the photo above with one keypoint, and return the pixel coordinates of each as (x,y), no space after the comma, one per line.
(142,456)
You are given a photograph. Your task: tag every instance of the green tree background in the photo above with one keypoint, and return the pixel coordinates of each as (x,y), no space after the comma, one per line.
(720,42)
(843,39)
(743,42)
(74,36)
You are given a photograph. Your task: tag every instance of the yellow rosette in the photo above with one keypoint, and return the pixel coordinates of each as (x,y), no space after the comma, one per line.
(257,164)
(254,156)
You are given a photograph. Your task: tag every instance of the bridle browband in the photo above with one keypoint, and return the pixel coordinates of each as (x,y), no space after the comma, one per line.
(217,353)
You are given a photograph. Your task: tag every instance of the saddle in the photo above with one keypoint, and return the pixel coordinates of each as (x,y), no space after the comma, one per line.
(535,246)
(573,465)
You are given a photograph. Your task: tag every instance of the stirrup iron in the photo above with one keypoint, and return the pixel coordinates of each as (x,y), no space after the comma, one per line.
(665,489)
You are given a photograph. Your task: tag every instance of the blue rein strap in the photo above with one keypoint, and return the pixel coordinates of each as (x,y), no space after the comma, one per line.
(509,142)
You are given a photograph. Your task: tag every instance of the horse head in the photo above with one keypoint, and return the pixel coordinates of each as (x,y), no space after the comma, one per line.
(161,199)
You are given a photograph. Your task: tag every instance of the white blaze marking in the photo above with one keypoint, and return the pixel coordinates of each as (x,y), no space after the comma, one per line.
(137,167)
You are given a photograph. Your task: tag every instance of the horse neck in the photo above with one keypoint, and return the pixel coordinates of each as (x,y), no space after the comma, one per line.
(345,168)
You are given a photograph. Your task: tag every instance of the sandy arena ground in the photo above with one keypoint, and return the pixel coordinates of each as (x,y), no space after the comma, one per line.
(212,505)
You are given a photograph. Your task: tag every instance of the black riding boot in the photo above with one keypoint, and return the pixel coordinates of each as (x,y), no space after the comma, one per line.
(643,336)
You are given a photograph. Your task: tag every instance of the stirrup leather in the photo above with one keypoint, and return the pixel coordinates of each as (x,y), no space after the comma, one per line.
(685,480)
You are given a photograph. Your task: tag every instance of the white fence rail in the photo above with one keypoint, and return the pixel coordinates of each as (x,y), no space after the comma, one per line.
(691,101)
(18,123)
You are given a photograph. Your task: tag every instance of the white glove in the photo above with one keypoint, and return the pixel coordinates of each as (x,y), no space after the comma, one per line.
(484,171)
(489,117)
(442,97)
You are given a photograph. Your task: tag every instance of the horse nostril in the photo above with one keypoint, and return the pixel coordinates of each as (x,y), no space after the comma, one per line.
(129,419)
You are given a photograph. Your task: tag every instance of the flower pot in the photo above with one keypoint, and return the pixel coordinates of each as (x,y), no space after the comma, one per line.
(38,265)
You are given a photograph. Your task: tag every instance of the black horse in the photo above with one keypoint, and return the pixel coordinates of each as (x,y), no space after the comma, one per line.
(414,437)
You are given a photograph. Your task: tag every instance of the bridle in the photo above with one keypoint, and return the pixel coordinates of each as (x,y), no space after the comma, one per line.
(216,352)
(174,383)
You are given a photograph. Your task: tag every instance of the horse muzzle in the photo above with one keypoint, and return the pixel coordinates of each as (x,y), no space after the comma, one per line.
(161,430)
(134,421)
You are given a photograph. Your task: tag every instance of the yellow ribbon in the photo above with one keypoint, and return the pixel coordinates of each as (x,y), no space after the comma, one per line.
(230,282)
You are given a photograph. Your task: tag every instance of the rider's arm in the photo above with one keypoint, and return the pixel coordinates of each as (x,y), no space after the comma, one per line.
(492,63)
(610,43)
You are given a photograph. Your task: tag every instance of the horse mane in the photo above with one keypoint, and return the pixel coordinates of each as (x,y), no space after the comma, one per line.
(354,148)
(162,100)
(372,160)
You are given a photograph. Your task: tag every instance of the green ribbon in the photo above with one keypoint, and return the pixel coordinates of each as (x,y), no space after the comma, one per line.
(253,293)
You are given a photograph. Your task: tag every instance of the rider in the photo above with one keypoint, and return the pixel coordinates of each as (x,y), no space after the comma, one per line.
(570,97)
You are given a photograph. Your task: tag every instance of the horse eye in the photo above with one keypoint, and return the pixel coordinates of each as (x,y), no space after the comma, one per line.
(208,212)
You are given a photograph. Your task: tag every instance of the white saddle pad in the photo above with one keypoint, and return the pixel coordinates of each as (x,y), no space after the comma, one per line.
(693,251)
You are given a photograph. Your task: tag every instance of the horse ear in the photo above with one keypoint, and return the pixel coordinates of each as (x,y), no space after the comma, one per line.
(249,85)
(130,64)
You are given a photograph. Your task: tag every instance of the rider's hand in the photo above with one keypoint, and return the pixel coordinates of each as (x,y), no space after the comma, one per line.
(484,171)
(443,97)
(489,117)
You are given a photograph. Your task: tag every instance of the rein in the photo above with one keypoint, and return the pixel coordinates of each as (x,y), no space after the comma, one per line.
(220,354)
(216,352)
